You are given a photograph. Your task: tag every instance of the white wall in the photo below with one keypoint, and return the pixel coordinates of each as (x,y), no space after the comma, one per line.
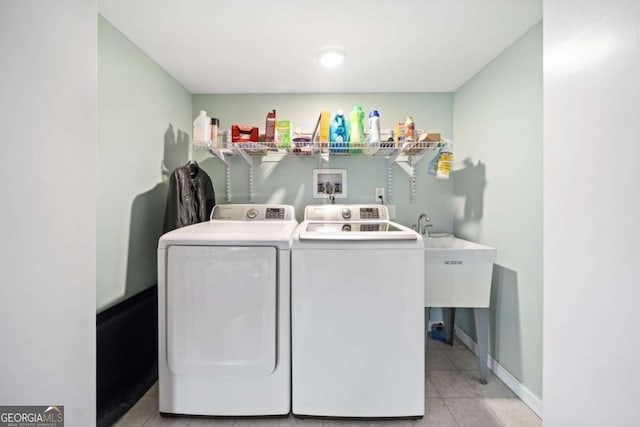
(591,204)
(290,181)
(144,123)
(497,181)
(48,215)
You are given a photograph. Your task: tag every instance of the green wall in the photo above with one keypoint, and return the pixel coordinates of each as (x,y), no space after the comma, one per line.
(144,123)
(497,185)
(290,180)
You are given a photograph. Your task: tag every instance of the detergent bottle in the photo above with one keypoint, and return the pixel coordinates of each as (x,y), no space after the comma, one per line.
(325,120)
(356,128)
(356,125)
(338,134)
(374,127)
(202,128)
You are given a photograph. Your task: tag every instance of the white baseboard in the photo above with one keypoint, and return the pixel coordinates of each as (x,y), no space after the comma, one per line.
(530,399)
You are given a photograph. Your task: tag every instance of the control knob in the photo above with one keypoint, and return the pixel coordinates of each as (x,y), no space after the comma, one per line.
(252,213)
(346,213)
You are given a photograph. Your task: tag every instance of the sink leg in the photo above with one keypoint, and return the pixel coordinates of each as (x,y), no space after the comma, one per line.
(449,318)
(481,316)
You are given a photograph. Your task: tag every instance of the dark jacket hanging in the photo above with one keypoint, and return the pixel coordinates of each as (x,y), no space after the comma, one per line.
(191,197)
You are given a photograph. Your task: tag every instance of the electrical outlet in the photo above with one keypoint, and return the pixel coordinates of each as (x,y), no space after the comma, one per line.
(379,194)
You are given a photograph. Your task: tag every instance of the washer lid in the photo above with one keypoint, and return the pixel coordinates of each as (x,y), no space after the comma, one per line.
(368,230)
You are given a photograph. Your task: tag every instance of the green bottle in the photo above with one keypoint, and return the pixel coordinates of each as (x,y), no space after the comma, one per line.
(356,127)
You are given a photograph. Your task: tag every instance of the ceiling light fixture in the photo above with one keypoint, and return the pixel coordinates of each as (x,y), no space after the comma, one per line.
(332,57)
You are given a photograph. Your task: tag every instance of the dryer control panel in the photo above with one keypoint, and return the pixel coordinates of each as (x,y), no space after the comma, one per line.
(346,213)
(253,213)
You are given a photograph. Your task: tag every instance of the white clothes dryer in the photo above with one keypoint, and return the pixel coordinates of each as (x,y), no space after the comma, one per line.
(224,313)
(357,315)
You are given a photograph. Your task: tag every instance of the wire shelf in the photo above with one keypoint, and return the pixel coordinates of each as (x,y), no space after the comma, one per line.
(379,149)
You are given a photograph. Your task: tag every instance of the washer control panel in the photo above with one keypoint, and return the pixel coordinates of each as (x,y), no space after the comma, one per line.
(346,213)
(253,213)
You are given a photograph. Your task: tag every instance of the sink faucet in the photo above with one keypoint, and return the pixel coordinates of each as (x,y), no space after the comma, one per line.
(422,228)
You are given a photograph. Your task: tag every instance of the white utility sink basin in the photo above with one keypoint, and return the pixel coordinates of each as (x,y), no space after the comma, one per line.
(457,272)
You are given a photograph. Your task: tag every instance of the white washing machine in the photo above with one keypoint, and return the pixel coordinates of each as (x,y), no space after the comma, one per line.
(357,283)
(224,313)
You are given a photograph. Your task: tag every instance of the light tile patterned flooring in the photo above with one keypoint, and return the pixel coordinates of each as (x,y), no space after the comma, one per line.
(454,397)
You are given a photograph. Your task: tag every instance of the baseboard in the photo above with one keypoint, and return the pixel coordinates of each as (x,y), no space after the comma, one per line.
(127,354)
(530,399)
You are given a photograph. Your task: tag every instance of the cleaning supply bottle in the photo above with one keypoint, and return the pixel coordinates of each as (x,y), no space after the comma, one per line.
(374,127)
(356,128)
(398,135)
(338,133)
(270,127)
(201,128)
(356,125)
(409,129)
(325,120)
(283,132)
(444,162)
(215,126)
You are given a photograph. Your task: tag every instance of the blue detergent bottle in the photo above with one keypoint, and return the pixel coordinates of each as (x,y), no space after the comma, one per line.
(338,134)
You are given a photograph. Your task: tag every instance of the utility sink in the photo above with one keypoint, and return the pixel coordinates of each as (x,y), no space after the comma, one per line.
(457,272)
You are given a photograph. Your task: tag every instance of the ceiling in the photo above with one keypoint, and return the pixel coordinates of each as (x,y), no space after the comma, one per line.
(273,46)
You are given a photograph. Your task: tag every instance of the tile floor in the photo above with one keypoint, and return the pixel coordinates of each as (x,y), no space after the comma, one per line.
(454,397)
